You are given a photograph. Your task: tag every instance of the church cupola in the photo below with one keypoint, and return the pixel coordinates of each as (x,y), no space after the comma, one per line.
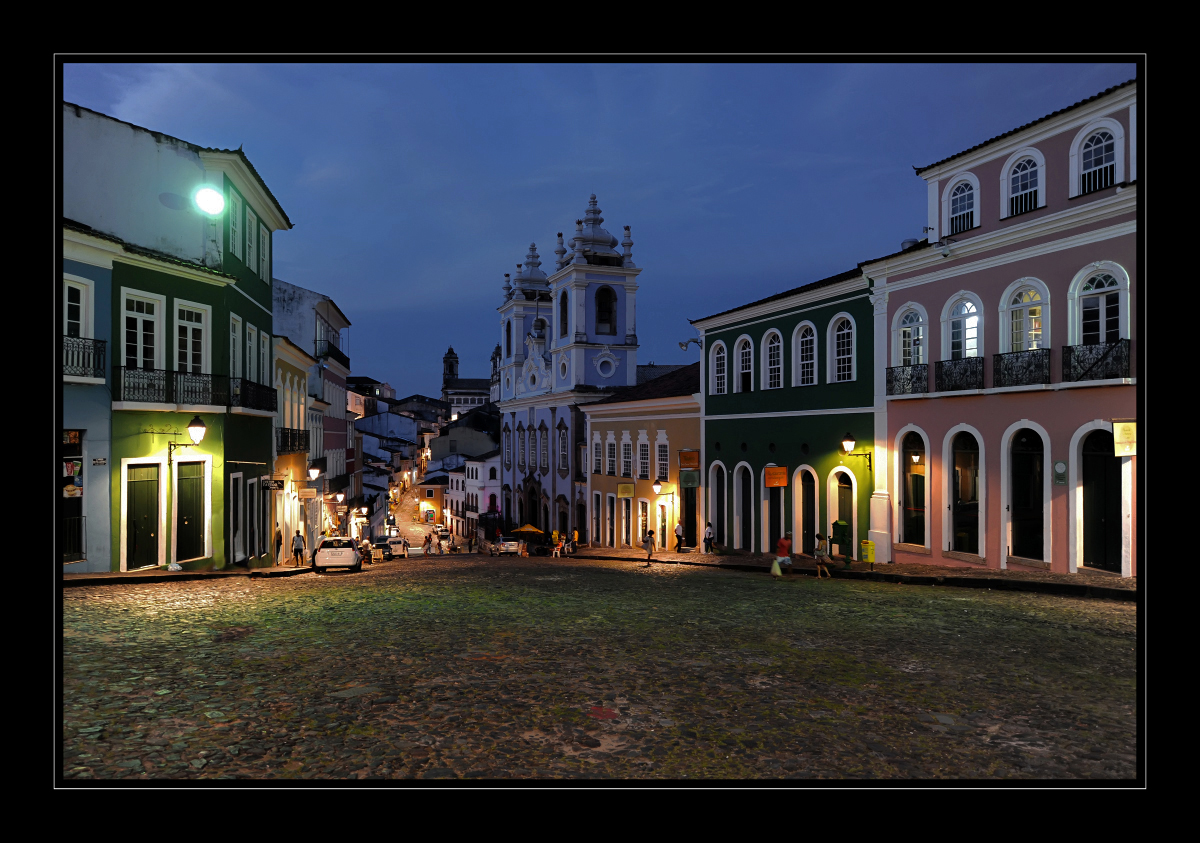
(449,366)
(592,244)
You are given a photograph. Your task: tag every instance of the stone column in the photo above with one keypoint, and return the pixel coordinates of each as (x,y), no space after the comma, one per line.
(880,531)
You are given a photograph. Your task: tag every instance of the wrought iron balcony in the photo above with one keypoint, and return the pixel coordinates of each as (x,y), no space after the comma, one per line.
(908,380)
(955,375)
(153,386)
(83,357)
(1096,362)
(327,348)
(288,440)
(1021,368)
(244,392)
(73,538)
(201,389)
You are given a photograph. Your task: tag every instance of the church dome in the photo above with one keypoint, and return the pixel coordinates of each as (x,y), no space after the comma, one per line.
(596,245)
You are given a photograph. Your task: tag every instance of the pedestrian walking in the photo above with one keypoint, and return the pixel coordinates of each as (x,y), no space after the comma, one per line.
(821,553)
(708,538)
(297,549)
(439,544)
(678,537)
(648,546)
(783,555)
(278,544)
(470,544)
(575,541)
(405,540)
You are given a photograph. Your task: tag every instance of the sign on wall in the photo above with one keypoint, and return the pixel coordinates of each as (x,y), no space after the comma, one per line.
(306,493)
(776,476)
(689,459)
(272,485)
(624,490)
(689,479)
(1125,439)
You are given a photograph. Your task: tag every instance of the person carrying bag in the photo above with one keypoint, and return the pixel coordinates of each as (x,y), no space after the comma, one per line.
(821,553)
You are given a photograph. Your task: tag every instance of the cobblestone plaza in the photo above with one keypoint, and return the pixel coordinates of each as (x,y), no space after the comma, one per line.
(465,666)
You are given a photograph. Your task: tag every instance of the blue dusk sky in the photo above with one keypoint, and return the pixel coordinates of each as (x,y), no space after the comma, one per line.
(414,188)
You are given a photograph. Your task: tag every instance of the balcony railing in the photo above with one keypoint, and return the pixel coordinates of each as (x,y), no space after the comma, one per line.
(83,357)
(327,348)
(1096,362)
(153,386)
(288,440)
(244,392)
(201,389)
(1021,368)
(73,538)
(954,375)
(908,380)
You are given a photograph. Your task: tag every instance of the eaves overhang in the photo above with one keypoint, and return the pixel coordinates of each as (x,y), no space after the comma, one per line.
(765,307)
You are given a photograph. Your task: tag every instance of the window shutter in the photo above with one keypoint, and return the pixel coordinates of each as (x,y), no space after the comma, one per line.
(235,225)
(264,253)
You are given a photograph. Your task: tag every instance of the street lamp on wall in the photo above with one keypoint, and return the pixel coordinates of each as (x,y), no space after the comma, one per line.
(314,473)
(848,443)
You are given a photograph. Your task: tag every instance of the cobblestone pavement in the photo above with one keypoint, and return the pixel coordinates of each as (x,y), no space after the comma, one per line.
(473,667)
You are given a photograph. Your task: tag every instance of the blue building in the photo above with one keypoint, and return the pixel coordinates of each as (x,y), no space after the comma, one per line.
(566,339)
(86,395)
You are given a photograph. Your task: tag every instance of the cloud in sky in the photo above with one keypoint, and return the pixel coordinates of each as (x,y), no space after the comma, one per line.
(415,187)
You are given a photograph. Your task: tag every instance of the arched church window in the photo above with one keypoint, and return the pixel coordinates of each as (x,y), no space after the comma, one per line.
(562,314)
(606,311)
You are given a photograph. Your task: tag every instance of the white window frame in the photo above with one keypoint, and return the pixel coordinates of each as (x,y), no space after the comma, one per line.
(643,458)
(251,250)
(237,541)
(962,295)
(235,224)
(626,455)
(597,455)
(831,349)
(206,348)
(251,353)
(1006,307)
(951,183)
(1110,124)
(235,345)
(765,351)
(1074,296)
(1006,177)
(610,455)
(264,253)
(160,303)
(662,463)
(898,328)
(797,365)
(87,324)
(264,358)
(717,387)
(737,349)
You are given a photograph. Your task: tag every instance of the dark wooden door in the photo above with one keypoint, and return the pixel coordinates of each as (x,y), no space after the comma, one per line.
(747,511)
(141,535)
(965,494)
(1026,495)
(808,491)
(189,523)
(718,520)
(1101,503)
(845,495)
(689,517)
(775,517)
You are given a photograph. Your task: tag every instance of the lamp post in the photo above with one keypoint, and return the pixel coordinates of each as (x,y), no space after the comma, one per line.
(196,430)
(848,444)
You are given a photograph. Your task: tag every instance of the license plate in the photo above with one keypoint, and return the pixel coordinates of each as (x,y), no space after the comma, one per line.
(335,553)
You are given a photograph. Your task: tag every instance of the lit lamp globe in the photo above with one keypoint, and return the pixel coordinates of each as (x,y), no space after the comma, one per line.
(210,201)
(196,430)
(657,487)
(341,496)
(848,443)
(314,473)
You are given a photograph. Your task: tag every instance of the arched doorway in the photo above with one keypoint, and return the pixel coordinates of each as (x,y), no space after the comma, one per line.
(745,508)
(1025,496)
(964,494)
(774,516)
(842,534)
(1101,503)
(581,521)
(912,493)
(808,512)
(718,515)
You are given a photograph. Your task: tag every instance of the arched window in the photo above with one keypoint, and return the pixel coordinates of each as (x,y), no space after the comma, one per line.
(964,331)
(912,339)
(1023,187)
(806,356)
(492,476)
(745,381)
(1099,166)
(962,208)
(606,311)
(508,338)
(843,350)
(562,450)
(718,381)
(520,448)
(562,314)
(1026,320)
(1100,310)
(774,372)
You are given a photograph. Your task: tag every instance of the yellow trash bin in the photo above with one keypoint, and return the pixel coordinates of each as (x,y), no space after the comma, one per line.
(868,552)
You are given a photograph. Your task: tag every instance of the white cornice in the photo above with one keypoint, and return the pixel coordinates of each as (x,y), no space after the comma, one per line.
(1116,205)
(674,404)
(291,354)
(172,269)
(1083,239)
(630,271)
(247,184)
(90,250)
(1035,134)
(746,314)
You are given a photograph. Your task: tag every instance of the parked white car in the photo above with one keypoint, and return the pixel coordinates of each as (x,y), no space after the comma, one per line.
(337,552)
(442,531)
(396,546)
(505,544)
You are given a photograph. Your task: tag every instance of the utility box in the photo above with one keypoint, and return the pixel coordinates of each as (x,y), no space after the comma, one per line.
(868,552)
(841,537)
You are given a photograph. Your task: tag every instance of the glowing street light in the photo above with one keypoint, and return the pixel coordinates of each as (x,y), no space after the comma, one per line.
(210,201)
(196,430)
(314,473)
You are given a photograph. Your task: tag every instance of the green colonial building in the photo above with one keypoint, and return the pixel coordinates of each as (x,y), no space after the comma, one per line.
(186,232)
(786,381)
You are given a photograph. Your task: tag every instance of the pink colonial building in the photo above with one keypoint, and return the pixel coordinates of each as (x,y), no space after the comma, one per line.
(1005,349)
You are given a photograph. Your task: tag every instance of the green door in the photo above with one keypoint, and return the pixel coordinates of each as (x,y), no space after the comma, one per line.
(141,548)
(808,492)
(189,525)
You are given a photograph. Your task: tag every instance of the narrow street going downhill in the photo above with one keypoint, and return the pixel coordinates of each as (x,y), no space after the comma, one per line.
(467,666)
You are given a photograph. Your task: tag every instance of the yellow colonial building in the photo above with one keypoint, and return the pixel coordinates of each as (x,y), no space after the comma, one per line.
(644,462)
